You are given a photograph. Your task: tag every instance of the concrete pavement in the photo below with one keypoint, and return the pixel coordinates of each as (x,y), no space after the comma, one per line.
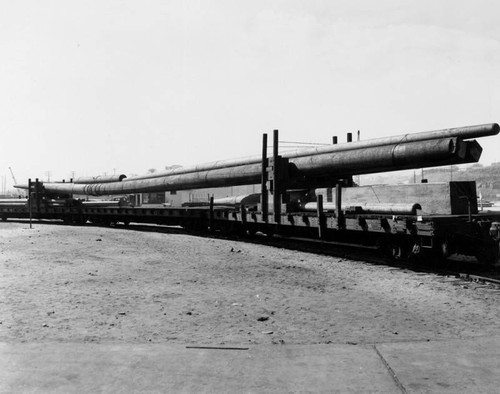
(455,366)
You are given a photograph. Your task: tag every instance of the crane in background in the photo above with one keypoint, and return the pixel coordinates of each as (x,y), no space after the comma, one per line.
(15,181)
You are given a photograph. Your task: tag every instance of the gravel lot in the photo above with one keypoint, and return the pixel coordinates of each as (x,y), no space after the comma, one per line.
(90,284)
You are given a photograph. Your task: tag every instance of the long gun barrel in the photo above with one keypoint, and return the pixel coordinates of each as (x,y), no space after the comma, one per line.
(100,179)
(463,133)
(372,156)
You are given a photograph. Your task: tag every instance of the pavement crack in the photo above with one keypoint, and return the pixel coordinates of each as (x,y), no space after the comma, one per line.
(391,371)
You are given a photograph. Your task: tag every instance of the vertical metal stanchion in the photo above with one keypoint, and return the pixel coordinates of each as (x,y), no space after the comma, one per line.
(211,218)
(30,195)
(264,198)
(319,212)
(276,179)
(243,215)
(338,206)
(37,197)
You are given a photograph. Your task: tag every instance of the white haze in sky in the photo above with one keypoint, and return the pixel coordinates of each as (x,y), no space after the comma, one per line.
(93,87)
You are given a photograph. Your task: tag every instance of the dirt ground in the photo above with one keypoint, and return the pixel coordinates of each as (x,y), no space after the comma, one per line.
(89,284)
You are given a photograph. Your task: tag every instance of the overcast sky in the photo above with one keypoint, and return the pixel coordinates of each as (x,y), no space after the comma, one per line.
(123,86)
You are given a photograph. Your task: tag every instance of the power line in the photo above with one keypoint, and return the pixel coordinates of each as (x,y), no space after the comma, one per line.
(302,143)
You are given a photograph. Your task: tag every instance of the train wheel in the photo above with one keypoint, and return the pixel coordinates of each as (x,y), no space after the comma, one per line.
(417,255)
(396,251)
(392,248)
(251,232)
(487,256)
(79,220)
(444,250)
(226,229)
(195,227)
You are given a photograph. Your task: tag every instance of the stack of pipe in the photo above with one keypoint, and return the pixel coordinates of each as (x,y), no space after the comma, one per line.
(368,208)
(408,151)
(13,201)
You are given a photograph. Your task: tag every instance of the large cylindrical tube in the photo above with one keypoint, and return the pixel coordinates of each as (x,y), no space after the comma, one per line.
(389,158)
(459,132)
(100,179)
(364,207)
(333,164)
